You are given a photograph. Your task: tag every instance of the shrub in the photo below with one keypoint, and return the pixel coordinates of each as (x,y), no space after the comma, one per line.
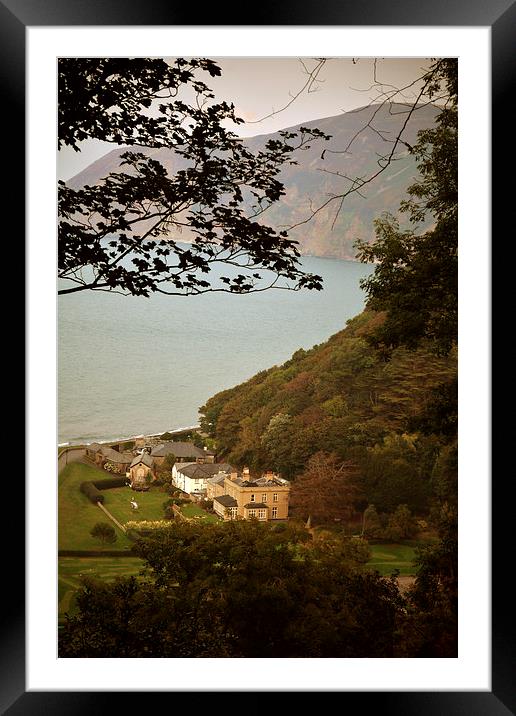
(279,527)
(175,501)
(169,513)
(171,489)
(358,549)
(104,532)
(401,524)
(145,525)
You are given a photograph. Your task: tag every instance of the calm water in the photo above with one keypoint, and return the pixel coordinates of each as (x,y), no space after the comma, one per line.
(130,366)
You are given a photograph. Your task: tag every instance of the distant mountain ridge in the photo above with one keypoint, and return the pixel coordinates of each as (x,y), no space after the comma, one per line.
(333,230)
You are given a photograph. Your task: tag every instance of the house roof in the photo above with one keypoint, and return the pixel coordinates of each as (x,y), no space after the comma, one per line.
(196,470)
(115,456)
(217,479)
(255,505)
(179,449)
(262,482)
(145,458)
(270,481)
(226,501)
(95,447)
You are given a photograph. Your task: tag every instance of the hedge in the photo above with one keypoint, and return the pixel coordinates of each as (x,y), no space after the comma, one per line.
(110,482)
(91,492)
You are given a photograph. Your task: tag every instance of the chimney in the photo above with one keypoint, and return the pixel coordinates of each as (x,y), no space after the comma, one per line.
(245,472)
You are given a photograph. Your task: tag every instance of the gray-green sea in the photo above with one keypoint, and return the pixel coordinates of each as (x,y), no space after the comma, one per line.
(130,366)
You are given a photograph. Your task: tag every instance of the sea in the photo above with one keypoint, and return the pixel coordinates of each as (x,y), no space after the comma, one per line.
(131,366)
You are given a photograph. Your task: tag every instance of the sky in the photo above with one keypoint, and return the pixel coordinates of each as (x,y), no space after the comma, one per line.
(261,86)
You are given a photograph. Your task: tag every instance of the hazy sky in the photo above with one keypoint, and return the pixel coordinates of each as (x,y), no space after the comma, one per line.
(260,86)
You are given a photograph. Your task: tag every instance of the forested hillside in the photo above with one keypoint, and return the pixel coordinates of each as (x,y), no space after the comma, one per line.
(341,397)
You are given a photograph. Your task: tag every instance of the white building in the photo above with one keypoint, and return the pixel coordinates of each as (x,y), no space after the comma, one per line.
(192,477)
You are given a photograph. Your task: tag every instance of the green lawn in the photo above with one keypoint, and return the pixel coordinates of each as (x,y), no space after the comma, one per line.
(386,558)
(150,504)
(107,568)
(77,515)
(193,511)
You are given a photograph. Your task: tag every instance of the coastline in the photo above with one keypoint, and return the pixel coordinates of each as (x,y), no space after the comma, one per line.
(227,341)
(176,431)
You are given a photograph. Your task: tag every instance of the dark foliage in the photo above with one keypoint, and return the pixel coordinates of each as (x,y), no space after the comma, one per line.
(123,234)
(104,532)
(110,482)
(415,280)
(238,590)
(91,492)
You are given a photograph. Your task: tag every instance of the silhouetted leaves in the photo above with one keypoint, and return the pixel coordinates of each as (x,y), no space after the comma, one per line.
(123,234)
(415,279)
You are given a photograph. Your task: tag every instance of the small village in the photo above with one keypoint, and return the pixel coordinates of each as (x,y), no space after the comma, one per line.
(111,494)
(194,472)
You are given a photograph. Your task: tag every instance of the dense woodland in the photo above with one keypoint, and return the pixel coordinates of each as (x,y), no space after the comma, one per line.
(341,397)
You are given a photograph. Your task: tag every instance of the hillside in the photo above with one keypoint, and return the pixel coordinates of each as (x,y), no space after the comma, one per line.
(341,397)
(314,179)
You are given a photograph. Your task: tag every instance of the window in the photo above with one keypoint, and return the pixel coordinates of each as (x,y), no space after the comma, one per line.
(274,512)
(262,514)
(275,497)
(252,498)
(264,497)
(251,513)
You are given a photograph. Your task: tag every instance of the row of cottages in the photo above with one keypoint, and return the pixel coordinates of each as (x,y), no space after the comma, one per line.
(193,477)
(140,469)
(102,454)
(240,496)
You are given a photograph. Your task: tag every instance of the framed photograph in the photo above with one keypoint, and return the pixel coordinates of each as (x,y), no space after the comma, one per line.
(479,680)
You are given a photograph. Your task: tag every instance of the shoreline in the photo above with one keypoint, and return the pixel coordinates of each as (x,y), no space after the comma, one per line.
(176,431)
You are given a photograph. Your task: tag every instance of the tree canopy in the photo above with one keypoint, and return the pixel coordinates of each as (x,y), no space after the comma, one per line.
(326,490)
(238,589)
(124,234)
(415,279)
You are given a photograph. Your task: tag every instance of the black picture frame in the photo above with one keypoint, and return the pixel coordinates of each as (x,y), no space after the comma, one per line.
(500,16)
